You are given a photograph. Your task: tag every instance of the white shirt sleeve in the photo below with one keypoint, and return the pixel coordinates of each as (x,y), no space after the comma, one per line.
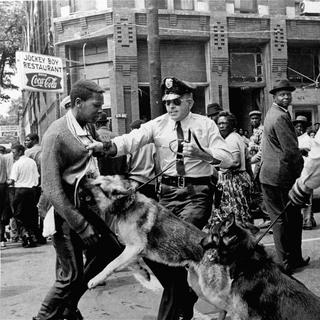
(310,176)
(131,142)
(14,172)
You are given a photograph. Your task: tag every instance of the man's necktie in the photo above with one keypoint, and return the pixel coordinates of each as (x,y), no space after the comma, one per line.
(179,160)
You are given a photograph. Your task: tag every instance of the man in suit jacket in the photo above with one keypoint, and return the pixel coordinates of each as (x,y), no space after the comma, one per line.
(281,165)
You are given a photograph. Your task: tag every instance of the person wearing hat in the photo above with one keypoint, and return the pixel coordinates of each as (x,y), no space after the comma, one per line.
(301,124)
(258,206)
(255,139)
(316,126)
(213,110)
(103,128)
(281,165)
(186,187)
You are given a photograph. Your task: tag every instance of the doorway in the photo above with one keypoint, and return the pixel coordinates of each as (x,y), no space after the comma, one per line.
(308,111)
(242,100)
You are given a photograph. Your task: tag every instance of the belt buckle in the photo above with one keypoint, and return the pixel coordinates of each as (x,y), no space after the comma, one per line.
(181,182)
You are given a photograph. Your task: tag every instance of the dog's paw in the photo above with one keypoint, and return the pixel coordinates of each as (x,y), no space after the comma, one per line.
(96,281)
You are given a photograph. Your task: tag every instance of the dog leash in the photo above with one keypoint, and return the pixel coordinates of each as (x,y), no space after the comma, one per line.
(157,175)
(275,220)
(190,133)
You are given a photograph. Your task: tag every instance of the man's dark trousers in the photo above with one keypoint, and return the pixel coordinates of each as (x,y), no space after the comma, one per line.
(287,231)
(71,275)
(25,211)
(192,203)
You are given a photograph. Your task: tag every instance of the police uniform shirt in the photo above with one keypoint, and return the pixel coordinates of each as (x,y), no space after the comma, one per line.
(162,131)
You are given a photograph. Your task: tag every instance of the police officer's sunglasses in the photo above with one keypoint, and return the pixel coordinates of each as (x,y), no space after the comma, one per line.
(176,101)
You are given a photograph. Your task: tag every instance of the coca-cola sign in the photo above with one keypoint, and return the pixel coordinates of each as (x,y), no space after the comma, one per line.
(39,72)
(43,81)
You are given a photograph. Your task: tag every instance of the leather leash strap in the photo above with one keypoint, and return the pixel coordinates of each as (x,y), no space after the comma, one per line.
(272,224)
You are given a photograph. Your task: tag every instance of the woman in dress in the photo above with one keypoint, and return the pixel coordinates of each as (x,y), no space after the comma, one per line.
(234,183)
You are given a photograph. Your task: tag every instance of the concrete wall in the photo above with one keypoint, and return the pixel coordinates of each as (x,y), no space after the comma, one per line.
(183,59)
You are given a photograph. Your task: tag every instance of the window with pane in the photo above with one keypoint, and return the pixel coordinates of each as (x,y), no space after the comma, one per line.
(184,4)
(246,67)
(303,65)
(245,6)
(162,4)
(82,5)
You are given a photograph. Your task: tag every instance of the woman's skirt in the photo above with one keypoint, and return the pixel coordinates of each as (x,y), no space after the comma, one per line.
(233,190)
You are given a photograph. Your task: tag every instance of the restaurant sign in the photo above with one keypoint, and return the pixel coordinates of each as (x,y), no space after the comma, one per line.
(38,72)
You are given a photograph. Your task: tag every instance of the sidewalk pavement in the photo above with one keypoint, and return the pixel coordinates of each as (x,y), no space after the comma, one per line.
(27,274)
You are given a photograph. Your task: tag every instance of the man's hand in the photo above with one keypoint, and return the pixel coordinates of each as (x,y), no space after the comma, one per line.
(190,149)
(107,148)
(95,146)
(299,197)
(88,236)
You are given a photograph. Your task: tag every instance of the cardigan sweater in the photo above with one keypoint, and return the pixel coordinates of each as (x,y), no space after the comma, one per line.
(63,158)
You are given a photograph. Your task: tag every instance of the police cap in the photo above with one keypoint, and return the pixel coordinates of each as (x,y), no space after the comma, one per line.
(173,88)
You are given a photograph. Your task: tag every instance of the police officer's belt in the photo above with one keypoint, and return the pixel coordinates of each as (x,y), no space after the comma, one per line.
(180,182)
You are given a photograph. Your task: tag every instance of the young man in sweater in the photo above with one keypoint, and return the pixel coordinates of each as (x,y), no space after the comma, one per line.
(64,160)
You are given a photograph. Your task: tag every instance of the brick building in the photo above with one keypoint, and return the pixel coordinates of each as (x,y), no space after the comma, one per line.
(233,50)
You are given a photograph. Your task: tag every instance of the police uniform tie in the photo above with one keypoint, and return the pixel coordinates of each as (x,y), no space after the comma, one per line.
(179,159)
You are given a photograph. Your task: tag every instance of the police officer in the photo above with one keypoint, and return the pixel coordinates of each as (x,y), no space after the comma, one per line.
(186,187)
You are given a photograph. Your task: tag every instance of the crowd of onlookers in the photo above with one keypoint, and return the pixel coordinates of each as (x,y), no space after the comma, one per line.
(20,183)
(20,192)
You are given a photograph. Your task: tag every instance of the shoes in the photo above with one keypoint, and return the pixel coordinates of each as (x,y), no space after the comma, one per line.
(2,244)
(291,268)
(15,239)
(41,240)
(309,224)
(27,242)
(300,264)
(69,314)
(264,224)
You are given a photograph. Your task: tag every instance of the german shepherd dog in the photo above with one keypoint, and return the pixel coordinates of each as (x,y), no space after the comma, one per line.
(149,230)
(259,290)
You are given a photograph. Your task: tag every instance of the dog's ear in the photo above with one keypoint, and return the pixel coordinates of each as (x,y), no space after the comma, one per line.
(231,220)
(210,241)
(229,240)
(83,192)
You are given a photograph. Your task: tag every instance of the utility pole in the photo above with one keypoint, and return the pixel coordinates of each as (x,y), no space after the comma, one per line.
(154,58)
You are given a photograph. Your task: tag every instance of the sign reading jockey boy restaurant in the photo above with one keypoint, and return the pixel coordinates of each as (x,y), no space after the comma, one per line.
(38,72)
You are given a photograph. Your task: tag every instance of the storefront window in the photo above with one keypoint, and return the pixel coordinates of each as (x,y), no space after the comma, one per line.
(246,67)
(302,65)
(184,4)
(245,6)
